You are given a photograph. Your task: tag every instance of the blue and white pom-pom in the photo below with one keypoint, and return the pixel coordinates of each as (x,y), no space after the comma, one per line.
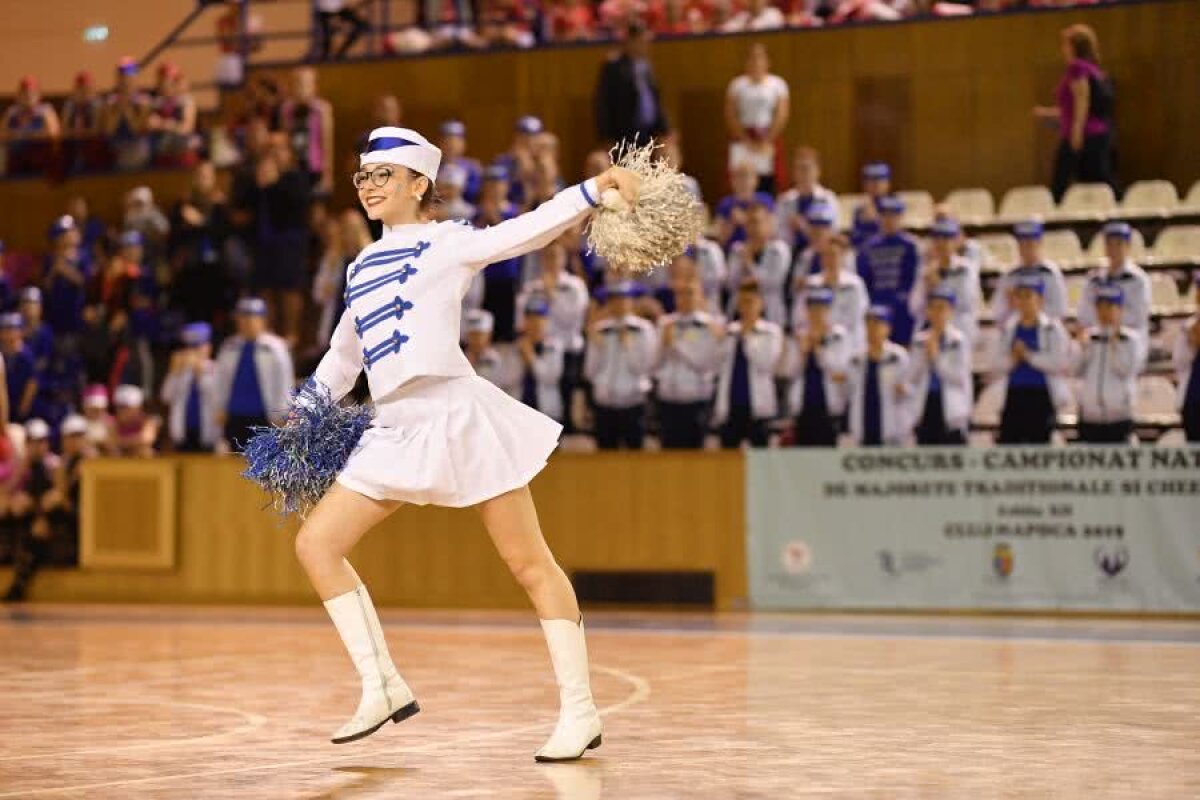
(297,462)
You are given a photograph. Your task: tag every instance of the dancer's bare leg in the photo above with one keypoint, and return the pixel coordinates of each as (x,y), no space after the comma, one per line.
(330,532)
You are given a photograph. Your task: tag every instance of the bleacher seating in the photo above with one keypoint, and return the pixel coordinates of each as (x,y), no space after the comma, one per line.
(1087,201)
(1063,247)
(1023,202)
(918,208)
(1149,199)
(1094,256)
(972,206)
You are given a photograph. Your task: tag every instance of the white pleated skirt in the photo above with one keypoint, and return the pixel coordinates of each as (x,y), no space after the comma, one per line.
(449,442)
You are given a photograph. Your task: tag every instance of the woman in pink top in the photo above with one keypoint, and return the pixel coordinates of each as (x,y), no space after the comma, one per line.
(1084,113)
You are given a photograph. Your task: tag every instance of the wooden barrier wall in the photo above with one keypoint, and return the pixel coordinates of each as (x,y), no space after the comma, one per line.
(623,512)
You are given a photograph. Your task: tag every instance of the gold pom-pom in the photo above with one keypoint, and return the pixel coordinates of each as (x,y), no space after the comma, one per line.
(664,222)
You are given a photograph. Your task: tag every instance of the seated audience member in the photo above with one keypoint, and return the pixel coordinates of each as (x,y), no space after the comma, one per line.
(82,126)
(541,360)
(570,21)
(1107,363)
(878,386)
(1034,355)
(876,185)
(27,127)
(621,353)
(255,376)
(172,120)
(451,183)
(940,370)
(125,121)
(1122,272)
(690,341)
(819,355)
(757,15)
(765,259)
(746,400)
(61,503)
(20,369)
(734,209)
(101,435)
(189,392)
(1032,263)
(454,151)
(503,23)
(849,292)
(944,269)
(134,431)
(489,363)
(888,263)
(33,479)
(1187,369)
(793,206)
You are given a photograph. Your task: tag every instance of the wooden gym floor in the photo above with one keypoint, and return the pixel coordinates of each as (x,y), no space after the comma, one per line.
(165,702)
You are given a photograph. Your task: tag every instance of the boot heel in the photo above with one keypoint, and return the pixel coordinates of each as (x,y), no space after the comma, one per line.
(406,712)
(594,743)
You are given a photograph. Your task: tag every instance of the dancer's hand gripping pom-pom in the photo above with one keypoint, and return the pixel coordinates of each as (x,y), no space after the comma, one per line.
(661,223)
(298,461)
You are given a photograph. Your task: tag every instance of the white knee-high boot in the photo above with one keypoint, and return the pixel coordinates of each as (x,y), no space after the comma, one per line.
(385,695)
(578,728)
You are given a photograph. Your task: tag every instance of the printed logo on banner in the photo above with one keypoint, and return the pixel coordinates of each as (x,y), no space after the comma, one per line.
(896,563)
(1003,560)
(1112,560)
(796,557)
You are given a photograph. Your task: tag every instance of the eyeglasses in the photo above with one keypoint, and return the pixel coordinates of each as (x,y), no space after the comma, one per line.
(378,177)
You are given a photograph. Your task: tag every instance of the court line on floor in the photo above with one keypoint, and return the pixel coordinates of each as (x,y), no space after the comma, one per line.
(640,692)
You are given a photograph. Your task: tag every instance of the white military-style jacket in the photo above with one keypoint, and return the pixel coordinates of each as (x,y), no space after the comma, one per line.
(713,272)
(770,269)
(1055,296)
(763,347)
(962,278)
(276,375)
(547,370)
(849,309)
(1107,370)
(174,395)
(895,403)
(1134,284)
(620,371)
(833,355)
(404,293)
(953,368)
(1052,358)
(687,367)
(568,304)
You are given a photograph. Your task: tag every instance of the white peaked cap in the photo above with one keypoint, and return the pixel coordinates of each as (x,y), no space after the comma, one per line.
(402,146)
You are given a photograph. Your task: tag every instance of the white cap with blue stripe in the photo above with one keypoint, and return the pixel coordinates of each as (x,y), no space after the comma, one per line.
(252,307)
(402,146)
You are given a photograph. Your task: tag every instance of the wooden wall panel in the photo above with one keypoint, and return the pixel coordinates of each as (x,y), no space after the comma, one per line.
(599,512)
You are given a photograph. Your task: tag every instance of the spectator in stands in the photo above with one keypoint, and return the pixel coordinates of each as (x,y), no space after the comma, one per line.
(757,15)
(134,431)
(876,185)
(792,206)
(878,386)
(32,480)
(1032,264)
(126,117)
(254,375)
(333,15)
(541,358)
(943,268)
(201,285)
(628,106)
(26,128)
(733,210)
(500,279)
(189,392)
(1084,112)
(100,434)
(1034,354)
(67,271)
(888,263)
(765,259)
(940,364)
(963,246)
(689,355)
(503,23)
(818,357)
(451,184)
(677,17)
(487,361)
(567,298)
(38,335)
(746,400)
(238,35)
(757,106)
(518,162)
(307,119)
(454,153)
(345,237)
(1108,361)
(20,369)
(1187,369)
(621,353)
(1122,272)
(82,120)
(172,121)
(850,302)
(61,503)
(820,228)
(281,201)
(143,215)
(570,21)
(708,262)
(92,229)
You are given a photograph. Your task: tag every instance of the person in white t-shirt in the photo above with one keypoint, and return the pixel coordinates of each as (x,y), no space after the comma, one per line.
(758,15)
(756,112)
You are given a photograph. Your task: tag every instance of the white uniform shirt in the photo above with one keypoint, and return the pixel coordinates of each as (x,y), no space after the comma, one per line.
(1134,283)
(770,269)
(276,375)
(713,272)
(895,411)
(763,348)
(568,308)
(850,303)
(1052,358)
(1054,301)
(404,294)
(547,370)
(787,206)
(833,356)
(1107,371)
(1183,356)
(755,104)
(687,367)
(620,371)
(174,394)
(953,368)
(962,278)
